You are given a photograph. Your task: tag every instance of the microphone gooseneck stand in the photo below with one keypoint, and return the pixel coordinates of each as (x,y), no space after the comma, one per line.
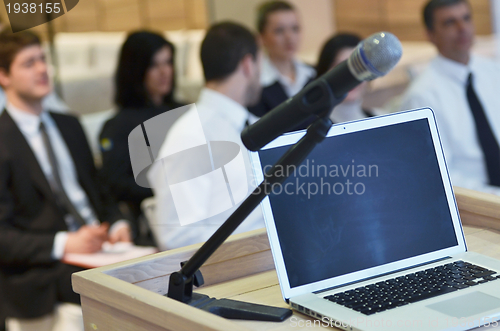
(372,58)
(181,283)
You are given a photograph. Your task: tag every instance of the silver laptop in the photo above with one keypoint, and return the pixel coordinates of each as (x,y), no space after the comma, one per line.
(366,234)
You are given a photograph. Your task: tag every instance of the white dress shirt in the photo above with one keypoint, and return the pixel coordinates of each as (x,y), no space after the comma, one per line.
(270,75)
(442,87)
(222,119)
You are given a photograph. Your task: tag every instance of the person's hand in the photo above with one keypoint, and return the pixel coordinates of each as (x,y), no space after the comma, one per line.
(120,233)
(88,239)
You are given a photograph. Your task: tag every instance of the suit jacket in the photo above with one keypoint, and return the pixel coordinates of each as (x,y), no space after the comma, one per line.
(271,97)
(31,281)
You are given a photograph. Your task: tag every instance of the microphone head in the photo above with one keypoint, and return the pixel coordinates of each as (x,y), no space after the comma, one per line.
(375,56)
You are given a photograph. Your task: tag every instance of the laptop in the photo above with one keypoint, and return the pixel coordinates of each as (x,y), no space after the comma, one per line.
(366,234)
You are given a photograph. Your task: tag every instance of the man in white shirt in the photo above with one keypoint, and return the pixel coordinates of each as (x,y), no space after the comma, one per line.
(230,58)
(462,89)
(50,199)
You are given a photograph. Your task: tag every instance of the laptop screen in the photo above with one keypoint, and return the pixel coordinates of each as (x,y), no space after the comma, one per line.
(360,200)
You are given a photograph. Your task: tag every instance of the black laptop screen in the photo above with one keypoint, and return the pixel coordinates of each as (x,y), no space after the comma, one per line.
(361,200)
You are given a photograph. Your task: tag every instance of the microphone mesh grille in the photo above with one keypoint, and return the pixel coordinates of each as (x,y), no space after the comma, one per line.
(375,56)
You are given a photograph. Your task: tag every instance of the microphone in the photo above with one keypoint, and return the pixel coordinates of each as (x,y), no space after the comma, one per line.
(373,57)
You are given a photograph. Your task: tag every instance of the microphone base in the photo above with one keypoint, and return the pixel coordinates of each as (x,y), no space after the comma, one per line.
(232,309)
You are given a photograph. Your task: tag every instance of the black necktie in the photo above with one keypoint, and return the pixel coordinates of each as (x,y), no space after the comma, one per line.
(72,217)
(489,143)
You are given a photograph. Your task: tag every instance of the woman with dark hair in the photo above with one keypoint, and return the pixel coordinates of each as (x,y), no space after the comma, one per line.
(337,49)
(145,82)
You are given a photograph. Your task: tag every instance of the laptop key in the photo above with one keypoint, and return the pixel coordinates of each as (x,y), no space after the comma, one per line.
(484,273)
(368,311)
(359,308)
(428,295)
(461,286)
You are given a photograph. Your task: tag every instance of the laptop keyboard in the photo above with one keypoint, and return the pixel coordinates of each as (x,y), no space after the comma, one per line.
(413,287)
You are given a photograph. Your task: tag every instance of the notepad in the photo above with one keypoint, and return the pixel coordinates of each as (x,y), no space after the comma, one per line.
(110,253)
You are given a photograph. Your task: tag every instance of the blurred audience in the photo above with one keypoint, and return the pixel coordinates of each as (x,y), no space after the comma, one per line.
(51,202)
(462,89)
(282,75)
(231,66)
(145,83)
(338,49)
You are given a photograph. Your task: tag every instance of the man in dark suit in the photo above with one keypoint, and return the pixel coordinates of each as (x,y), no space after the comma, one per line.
(50,201)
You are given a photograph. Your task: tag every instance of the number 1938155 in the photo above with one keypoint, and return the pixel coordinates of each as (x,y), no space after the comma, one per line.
(34,8)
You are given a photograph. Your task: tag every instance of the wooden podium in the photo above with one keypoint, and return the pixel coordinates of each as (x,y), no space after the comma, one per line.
(129,296)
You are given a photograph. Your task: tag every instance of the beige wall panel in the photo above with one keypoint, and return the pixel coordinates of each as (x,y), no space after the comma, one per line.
(126,15)
(408,31)
(119,15)
(404,18)
(60,23)
(482,16)
(401,17)
(167,23)
(197,14)
(404,11)
(362,17)
(359,10)
(84,17)
(317,26)
(3,16)
(363,30)
(158,9)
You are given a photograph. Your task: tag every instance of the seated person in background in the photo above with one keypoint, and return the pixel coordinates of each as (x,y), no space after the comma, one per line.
(144,88)
(337,49)
(462,89)
(231,66)
(50,199)
(282,74)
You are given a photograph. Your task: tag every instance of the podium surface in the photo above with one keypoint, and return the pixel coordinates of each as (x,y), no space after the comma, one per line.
(129,296)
